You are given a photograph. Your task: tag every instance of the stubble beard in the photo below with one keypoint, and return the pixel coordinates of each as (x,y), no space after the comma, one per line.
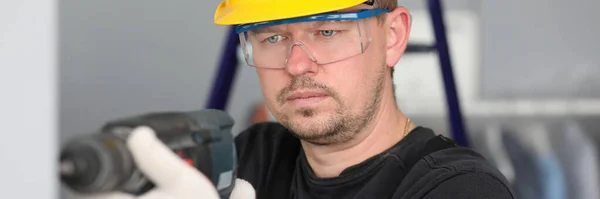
(341,125)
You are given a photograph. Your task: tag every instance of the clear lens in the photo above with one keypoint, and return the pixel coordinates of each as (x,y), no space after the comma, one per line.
(323,41)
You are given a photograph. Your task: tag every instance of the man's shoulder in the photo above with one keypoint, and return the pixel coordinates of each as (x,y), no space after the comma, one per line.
(457,172)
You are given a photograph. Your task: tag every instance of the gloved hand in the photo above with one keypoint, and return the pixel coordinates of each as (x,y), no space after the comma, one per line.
(173,178)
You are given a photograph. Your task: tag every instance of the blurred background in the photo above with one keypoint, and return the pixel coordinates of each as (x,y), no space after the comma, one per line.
(526,72)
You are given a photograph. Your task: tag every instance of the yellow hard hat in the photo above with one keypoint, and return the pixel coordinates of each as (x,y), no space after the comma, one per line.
(235,12)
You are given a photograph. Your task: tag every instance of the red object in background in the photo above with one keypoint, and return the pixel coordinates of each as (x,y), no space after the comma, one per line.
(260,114)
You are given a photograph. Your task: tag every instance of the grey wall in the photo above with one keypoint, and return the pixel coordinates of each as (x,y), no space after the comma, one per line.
(535,48)
(449,5)
(540,49)
(121,58)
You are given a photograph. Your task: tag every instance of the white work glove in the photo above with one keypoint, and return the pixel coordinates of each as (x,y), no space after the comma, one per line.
(173,178)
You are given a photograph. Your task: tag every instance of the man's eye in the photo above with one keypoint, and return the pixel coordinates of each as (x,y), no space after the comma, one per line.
(328,33)
(274,39)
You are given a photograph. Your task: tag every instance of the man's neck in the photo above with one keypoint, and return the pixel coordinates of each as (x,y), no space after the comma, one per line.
(385,130)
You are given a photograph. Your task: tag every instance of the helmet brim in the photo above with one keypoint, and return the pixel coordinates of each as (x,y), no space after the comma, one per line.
(276,10)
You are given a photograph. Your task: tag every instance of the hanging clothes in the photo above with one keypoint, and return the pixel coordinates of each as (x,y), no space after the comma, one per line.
(578,156)
(538,172)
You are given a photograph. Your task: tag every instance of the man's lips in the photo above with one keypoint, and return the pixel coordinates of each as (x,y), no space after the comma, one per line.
(306,98)
(305,95)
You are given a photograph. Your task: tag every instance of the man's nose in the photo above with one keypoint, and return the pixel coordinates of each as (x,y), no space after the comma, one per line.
(300,61)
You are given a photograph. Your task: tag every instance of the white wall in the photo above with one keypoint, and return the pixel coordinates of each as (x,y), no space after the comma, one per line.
(28,99)
(419,85)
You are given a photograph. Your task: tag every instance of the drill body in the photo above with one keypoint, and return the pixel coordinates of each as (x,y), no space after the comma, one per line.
(100,162)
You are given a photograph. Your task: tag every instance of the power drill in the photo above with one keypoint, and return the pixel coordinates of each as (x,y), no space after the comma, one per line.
(101,162)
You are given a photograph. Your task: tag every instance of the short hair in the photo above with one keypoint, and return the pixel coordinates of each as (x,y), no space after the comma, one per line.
(386,4)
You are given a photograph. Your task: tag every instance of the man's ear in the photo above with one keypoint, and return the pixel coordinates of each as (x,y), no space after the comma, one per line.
(397,28)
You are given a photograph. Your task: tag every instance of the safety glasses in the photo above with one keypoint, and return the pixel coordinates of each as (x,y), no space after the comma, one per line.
(325,38)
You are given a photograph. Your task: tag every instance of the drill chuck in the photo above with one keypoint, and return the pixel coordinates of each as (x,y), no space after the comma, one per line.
(101,162)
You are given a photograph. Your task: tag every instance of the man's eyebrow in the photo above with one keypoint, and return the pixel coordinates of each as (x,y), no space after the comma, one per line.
(321,23)
(269,29)
(313,24)
(317,24)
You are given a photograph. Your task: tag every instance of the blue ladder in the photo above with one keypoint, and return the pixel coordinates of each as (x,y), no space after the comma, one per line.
(229,63)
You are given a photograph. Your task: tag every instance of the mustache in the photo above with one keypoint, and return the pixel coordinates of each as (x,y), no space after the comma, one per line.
(303,83)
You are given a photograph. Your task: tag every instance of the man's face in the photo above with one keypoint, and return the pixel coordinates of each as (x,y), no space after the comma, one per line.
(328,103)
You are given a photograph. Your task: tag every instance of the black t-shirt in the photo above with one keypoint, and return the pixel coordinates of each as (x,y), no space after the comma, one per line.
(272,160)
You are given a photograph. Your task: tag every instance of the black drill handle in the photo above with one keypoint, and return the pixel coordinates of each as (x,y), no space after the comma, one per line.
(165,125)
(204,137)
